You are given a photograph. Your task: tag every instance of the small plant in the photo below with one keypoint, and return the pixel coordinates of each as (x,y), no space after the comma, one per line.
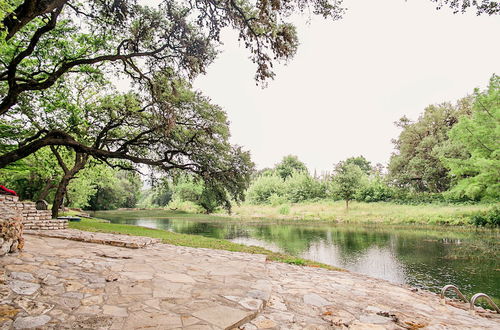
(284,209)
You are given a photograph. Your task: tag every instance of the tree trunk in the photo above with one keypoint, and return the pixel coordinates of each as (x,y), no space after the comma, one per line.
(80,162)
(59,197)
(347,205)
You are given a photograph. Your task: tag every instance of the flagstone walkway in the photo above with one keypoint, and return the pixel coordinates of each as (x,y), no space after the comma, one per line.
(65,284)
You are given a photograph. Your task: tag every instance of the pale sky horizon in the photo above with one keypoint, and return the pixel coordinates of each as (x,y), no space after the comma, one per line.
(352,79)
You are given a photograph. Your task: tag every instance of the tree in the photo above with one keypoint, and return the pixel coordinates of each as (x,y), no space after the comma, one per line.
(347,180)
(171,128)
(416,164)
(47,39)
(361,162)
(288,165)
(477,171)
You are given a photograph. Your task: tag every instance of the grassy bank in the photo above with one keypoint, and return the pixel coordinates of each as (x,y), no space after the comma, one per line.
(167,237)
(359,212)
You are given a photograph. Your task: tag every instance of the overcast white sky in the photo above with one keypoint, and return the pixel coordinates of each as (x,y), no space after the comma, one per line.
(351,79)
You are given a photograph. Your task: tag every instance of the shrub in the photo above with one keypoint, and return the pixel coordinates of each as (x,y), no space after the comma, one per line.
(490,218)
(284,209)
(301,187)
(375,190)
(276,200)
(264,187)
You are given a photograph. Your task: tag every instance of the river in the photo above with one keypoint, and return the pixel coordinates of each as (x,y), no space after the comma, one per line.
(422,257)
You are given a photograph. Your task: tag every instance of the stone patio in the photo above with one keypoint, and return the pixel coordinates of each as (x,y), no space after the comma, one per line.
(65,284)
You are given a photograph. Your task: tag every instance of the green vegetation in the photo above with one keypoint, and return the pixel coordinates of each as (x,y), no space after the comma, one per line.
(360,212)
(167,237)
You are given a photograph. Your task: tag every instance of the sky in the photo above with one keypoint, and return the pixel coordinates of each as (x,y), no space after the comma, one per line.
(352,79)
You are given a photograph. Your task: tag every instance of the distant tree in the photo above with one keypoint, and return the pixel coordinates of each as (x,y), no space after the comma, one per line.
(477,170)
(111,188)
(191,189)
(361,162)
(162,193)
(347,181)
(416,164)
(288,165)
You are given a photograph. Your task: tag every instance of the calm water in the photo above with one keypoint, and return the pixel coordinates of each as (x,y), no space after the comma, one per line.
(420,257)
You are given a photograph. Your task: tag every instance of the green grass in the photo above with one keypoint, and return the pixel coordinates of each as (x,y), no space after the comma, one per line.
(366,213)
(167,237)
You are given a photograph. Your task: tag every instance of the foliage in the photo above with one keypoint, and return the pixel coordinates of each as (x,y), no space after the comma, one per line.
(162,193)
(477,171)
(47,40)
(361,162)
(416,164)
(300,186)
(189,189)
(363,213)
(288,165)
(490,218)
(262,188)
(375,190)
(113,189)
(347,181)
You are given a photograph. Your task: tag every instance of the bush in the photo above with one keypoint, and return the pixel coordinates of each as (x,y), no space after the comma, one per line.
(490,218)
(301,187)
(261,190)
(276,200)
(376,190)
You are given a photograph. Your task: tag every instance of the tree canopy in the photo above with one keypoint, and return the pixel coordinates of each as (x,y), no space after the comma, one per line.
(416,163)
(288,165)
(477,169)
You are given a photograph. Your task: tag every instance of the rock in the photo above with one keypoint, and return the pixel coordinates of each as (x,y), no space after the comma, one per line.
(252,304)
(31,322)
(375,319)
(114,311)
(22,276)
(24,288)
(315,300)
(224,317)
(264,324)
(32,307)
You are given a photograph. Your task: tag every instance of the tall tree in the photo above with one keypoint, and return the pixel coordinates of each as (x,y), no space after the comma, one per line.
(288,165)
(477,170)
(416,163)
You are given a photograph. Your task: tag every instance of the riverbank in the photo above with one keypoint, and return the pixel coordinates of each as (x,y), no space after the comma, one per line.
(195,241)
(363,213)
(57,283)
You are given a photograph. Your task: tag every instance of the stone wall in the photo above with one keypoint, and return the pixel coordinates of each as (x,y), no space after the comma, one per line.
(34,219)
(15,215)
(11,224)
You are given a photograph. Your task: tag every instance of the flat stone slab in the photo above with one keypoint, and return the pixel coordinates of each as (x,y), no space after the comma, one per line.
(66,284)
(128,241)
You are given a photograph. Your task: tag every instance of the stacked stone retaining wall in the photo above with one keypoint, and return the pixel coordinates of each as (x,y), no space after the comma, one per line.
(16,216)
(34,219)
(11,224)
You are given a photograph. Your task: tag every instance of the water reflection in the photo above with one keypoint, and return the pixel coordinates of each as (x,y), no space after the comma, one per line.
(423,258)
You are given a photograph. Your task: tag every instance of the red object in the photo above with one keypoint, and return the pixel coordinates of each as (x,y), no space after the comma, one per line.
(7,191)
